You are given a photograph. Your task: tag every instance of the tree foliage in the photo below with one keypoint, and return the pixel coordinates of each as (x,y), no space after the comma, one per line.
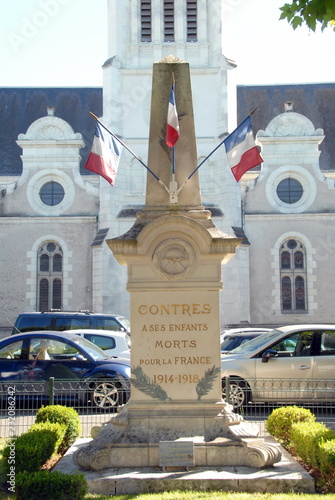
(310,12)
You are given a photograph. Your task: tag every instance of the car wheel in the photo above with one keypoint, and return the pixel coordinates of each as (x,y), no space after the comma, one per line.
(239,392)
(106,394)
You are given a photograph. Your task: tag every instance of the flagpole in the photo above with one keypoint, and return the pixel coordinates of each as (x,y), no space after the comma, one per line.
(173,183)
(130,151)
(210,154)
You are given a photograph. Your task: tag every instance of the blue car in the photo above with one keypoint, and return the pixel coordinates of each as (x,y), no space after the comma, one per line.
(80,370)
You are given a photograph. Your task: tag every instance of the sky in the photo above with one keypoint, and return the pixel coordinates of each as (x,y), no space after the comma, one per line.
(52,43)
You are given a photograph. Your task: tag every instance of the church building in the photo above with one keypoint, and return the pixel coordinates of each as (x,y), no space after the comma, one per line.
(55,216)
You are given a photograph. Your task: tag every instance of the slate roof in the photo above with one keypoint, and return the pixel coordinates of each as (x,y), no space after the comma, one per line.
(316,101)
(20,107)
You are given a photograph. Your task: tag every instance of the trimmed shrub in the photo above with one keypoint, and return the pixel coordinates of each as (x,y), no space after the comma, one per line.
(326,460)
(306,438)
(62,415)
(279,423)
(50,486)
(30,450)
(58,429)
(326,456)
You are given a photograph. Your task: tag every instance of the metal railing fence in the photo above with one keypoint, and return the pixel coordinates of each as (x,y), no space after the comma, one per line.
(97,403)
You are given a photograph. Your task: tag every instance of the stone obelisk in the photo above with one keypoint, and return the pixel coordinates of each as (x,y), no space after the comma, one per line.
(174,254)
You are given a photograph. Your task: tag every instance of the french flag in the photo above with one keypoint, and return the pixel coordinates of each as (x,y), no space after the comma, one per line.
(105,155)
(172,126)
(241,149)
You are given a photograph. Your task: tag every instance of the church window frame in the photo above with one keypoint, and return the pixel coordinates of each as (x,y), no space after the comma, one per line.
(293,276)
(169,27)
(44,177)
(146,21)
(191,21)
(49,276)
(301,175)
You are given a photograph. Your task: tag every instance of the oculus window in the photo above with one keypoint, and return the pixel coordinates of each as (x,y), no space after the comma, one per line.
(52,193)
(289,190)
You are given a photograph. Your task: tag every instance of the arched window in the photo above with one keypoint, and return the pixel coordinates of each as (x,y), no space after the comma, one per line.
(293,275)
(50,276)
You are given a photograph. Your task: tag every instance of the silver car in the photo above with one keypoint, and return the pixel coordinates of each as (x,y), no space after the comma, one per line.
(289,364)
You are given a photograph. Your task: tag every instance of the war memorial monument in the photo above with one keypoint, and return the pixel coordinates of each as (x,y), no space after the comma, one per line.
(175,416)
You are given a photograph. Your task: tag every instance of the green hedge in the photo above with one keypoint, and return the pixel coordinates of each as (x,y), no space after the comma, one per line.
(306,437)
(31,450)
(326,457)
(50,486)
(312,441)
(279,423)
(57,428)
(62,415)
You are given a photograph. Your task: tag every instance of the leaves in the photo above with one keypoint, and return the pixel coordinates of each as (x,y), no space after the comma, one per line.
(143,383)
(206,383)
(310,12)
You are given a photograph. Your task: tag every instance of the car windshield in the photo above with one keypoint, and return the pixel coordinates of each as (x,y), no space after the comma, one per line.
(230,343)
(128,340)
(255,343)
(93,350)
(125,323)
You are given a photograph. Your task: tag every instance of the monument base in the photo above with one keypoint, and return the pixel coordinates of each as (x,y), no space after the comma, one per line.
(132,438)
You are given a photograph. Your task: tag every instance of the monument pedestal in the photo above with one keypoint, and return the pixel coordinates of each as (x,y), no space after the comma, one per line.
(133,438)
(174,270)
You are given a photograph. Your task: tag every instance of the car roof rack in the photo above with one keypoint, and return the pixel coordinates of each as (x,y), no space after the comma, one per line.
(83,311)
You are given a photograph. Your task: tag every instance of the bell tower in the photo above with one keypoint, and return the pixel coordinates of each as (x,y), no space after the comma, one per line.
(141,33)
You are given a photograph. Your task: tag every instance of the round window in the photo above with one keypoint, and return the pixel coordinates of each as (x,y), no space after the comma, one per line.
(289,190)
(52,193)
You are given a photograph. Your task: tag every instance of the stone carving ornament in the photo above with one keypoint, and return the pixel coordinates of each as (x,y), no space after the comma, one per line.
(174,259)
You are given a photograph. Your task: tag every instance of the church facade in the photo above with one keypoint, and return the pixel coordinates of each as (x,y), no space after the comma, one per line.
(55,217)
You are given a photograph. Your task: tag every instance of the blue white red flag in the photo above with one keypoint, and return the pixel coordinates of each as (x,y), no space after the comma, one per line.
(172,126)
(241,149)
(105,155)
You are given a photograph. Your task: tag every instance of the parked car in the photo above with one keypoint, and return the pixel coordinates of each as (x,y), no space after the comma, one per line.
(230,331)
(28,360)
(289,364)
(68,320)
(112,343)
(235,338)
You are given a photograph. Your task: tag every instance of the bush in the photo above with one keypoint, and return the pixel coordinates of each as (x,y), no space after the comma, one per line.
(31,450)
(326,460)
(58,429)
(50,486)
(62,415)
(306,438)
(280,421)
(326,456)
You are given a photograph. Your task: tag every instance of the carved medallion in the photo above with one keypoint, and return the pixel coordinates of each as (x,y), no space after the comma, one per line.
(174,259)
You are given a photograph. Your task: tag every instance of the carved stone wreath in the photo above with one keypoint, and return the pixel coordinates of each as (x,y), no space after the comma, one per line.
(174,259)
